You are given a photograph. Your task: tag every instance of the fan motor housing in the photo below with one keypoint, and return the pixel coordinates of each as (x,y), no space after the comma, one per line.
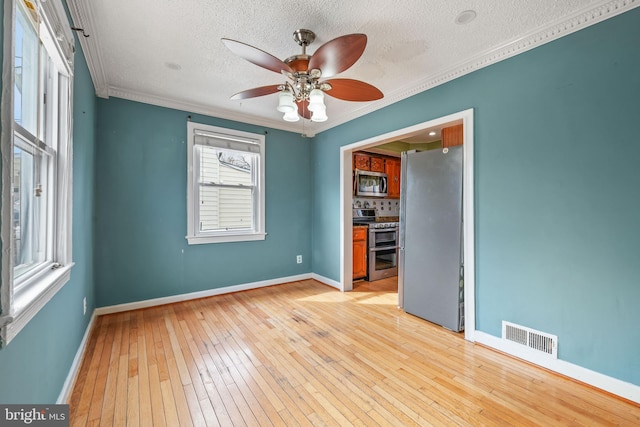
(304,37)
(298,63)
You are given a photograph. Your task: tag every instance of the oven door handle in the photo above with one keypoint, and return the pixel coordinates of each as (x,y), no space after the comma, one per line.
(383,248)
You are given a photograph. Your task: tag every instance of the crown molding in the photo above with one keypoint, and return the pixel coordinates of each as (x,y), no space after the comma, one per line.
(206,110)
(600,11)
(82,17)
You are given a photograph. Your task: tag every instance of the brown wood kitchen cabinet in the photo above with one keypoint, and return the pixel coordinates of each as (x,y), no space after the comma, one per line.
(362,162)
(452,136)
(366,162)
(359,251)
(392,169)
(377,164)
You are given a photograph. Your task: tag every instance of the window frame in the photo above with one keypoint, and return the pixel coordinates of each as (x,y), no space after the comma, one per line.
(23,297)
(194,235)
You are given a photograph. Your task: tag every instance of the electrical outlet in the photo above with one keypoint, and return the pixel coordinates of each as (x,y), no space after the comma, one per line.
(299,259)
(84,305)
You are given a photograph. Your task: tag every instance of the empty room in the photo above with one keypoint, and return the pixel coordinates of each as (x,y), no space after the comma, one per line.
(221,213)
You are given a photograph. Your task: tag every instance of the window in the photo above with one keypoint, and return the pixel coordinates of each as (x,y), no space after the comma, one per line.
(225,185)
(36,194)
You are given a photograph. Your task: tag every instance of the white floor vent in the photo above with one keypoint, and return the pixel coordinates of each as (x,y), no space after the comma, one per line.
(535,340)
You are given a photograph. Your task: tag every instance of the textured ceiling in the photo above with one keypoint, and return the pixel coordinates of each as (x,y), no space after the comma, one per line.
(168,52)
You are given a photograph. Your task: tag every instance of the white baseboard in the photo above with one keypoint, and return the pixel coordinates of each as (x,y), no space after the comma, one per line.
(326,281)
(612,385)
(65,393)
(201,294)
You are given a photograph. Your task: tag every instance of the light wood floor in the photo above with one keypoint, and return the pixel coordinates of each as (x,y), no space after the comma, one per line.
(303,353)
(389,284)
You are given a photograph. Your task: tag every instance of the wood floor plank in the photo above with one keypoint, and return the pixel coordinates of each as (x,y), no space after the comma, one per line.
(173,356)
(168,401)
(170,411)
(155,393)
(304,354)
(89,371)
(100,383)
(197,416)
(84,369)
(109,401)
(121,393)
(144,391)
(133,391)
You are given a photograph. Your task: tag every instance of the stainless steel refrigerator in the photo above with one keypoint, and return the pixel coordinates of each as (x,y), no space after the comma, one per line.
(430,264)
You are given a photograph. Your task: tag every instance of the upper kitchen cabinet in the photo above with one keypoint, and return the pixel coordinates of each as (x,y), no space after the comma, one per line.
(367,162)
(392,169)
(377,164)
(362,162)
(452,136)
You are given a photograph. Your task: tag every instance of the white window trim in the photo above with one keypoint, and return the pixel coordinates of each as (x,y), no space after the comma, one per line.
(194,237)
(19,307)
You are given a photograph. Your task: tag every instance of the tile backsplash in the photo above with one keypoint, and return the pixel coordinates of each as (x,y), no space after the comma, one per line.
(383,207)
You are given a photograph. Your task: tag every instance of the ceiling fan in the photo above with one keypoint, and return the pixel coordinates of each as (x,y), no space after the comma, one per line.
(303,93)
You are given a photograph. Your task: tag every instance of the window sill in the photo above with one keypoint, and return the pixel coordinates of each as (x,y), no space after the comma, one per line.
(29,301)
(200,240)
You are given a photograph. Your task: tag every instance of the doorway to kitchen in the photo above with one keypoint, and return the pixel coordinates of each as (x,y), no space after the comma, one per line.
(347,203)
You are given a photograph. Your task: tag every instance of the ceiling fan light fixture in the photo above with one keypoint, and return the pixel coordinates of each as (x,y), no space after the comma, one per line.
(319,115)
(316,100)
(285,102)
(302,96)
(291,116)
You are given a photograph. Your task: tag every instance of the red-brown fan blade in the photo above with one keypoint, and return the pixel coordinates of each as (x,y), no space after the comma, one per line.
(337,55)
(255,92)
(353,90)
(256,56)
(303,109)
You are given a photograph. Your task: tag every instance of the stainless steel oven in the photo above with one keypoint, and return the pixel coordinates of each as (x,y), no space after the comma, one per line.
(383,250)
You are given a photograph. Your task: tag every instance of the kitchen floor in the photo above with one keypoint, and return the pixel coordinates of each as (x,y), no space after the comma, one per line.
(390,284)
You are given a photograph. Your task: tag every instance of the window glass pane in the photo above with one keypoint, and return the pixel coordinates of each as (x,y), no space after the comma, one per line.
(29,208)
(226,190)
(224,208)
(226,167)
(26,74)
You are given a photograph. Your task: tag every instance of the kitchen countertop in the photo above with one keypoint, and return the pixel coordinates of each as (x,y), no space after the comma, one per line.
(388,219)
(379,219)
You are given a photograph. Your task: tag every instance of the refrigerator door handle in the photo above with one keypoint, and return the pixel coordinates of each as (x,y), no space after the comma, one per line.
(383,248)
(401,229)
(400,277)
(403,198)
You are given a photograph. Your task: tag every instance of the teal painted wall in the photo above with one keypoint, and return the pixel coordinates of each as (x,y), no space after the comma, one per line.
(34,366)
(557,221)
(141,250)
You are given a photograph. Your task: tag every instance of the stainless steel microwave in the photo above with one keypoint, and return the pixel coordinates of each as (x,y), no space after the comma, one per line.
(370,184)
